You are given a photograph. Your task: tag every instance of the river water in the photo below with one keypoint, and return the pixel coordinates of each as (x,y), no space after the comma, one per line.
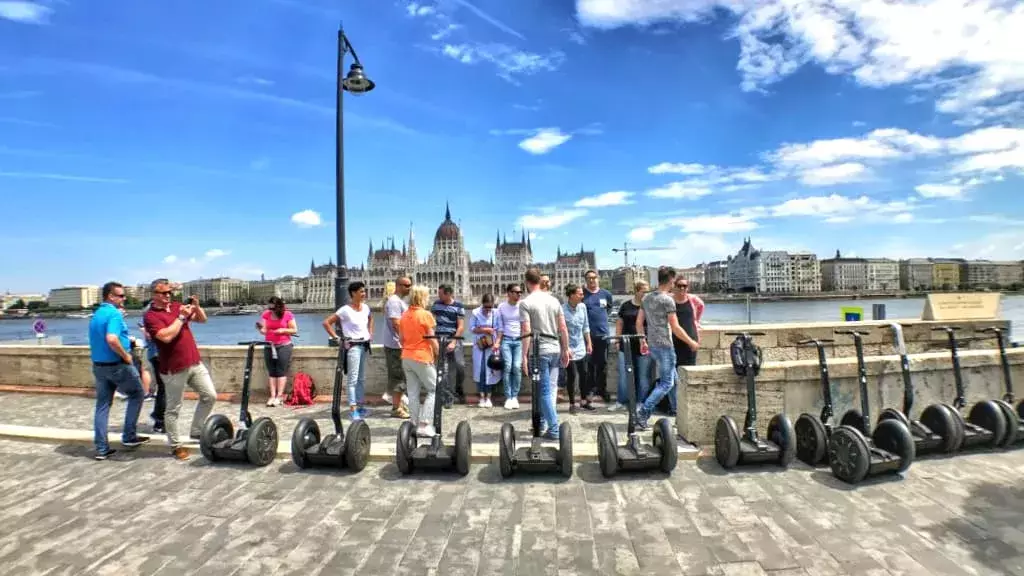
(227,330)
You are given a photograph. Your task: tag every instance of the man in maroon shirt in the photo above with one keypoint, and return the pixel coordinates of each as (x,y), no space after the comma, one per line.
(167,324)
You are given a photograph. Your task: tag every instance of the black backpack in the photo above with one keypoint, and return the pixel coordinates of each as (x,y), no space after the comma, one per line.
(736,350)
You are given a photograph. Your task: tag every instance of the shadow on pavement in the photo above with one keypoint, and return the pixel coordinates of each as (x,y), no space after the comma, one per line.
(389,473)
(491,474)
(826,478)
(590,472)
(711,467)
(123,454)
(992,516)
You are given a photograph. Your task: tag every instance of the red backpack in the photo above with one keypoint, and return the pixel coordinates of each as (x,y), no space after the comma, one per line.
(303,391)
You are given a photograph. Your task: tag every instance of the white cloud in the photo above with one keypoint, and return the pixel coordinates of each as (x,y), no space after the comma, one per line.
(254,80)
(643,234)
(715,224)
(416,10)
(679,190)
(903,218)
(24,11)
(835,174)
(544,140)
(170,259)
(216,253)
(550,221)
(820,206)
(688,169)
(939,190)
(968,53)
(307,219)
(445,31)
(606,199)
(510,62)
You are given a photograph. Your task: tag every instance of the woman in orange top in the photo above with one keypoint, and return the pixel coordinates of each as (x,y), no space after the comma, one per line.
(418,357)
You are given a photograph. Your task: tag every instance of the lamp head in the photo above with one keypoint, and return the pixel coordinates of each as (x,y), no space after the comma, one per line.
(356,81)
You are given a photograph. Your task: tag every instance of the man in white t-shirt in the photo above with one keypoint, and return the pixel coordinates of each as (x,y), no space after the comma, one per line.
(541,317)
(356,321)
(394,307)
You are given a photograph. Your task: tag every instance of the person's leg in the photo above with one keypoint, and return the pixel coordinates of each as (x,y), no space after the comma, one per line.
(361,382)
(354,355)
(548,393)
(516,349)
(160,404)
(271,364)
(642,373)
(412,385)
(175,384)
(101,416)
(569,377)
(598,364)
(665,358)
(284,364)
(126,379)
(428,375)
(200,381)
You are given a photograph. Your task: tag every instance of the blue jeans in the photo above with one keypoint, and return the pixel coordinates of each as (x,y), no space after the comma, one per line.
(666,361)
(549,365)
(355,380)
(641,373)
(125,379)
(512,358)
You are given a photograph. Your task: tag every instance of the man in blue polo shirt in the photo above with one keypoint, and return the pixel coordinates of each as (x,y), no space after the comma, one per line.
(450,316)
(113,370)
(599,303)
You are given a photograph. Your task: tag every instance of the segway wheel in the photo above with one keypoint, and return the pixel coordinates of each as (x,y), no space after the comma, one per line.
(565,449)
(780,431)
(988,415)
(854,419)
(664,440)
(1020,410)
(216,429)
(895,438)
(1012,422)
(357,446)
(939,419)
(305,436)
(811,439)
(506,449)
(404,447)
(727,442)
(261,443)
(894,414)
(958,420)
(463,448)
(849,454)
(607,451)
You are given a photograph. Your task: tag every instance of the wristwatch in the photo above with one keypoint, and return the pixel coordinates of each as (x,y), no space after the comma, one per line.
(182,317)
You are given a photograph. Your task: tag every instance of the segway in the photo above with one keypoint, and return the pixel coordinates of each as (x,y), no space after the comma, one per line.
(854,451)
(634,455)
(813,432)
(536,457)
(254,442)
(334,450)
(436,456)
(731,449)
(937,430)
(1014,428)
(985,425)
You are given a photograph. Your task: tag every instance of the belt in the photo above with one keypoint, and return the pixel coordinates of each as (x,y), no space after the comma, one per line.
(107,364)
(512,338)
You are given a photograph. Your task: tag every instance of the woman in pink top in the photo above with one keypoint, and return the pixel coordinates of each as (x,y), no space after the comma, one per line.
(278,325)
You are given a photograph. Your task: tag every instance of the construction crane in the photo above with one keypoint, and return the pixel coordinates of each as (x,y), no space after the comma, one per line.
(626,250)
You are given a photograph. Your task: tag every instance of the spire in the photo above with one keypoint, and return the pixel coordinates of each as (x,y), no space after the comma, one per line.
(312,265)
(392,242)
(447,212)
(371,247)
(497,238)
(412,237)
(558,253)
(523,235)
(504,238)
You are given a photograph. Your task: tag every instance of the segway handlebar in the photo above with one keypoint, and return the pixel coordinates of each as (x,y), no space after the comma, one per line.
(851,332)
(815,341)
(946,329)
(625,337)
(990,330)
(747,334)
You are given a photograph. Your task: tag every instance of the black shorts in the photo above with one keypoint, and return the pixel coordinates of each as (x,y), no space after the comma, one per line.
(278,368)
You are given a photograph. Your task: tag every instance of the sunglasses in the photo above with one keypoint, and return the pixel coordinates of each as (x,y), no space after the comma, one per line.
(162,292)
(682,286)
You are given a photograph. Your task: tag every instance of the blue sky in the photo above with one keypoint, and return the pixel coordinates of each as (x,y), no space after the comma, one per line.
(196,138)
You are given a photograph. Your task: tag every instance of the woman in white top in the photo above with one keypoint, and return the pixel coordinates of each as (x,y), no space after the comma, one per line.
(483,326)
(356,329)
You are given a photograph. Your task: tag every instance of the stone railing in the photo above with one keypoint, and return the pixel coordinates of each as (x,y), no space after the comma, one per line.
(794,387)
(69,366)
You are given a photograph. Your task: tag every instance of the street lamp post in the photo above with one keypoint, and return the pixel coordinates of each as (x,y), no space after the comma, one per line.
(357,83)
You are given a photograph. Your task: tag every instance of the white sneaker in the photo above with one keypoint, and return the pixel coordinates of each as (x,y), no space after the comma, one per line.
(487,403)
(425,431)
(508,404)
(386,398)
(119,395)
(615,407)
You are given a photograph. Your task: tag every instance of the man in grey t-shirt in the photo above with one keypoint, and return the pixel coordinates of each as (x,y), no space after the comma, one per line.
(659,311)
(540,315)
(394,307)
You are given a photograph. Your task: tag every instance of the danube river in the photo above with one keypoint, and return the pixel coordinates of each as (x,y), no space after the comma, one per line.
(233,329)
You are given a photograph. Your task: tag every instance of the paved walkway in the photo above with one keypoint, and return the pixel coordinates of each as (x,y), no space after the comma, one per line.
(140,513)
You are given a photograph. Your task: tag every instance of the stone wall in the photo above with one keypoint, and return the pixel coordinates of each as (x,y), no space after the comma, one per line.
(707,392)
(69,366)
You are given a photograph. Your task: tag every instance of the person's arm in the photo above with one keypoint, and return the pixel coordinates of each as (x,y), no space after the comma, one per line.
(114,328)
(435,346)
(610,302)
(329,324)
(563,337)
(586,335)
(524,323)
(369,321)
(499,327)
(293,327)
(460,322)
(678,332)
(394,317)
(198,314)
(166,333)
(641,330)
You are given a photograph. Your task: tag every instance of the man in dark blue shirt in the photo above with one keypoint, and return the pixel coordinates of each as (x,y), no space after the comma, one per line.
(599,303)
(450,316)
(113,370)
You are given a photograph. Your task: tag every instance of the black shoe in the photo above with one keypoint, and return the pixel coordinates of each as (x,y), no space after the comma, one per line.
(159,429)
(588,406)
(135,442)
(573,409)
(104,455)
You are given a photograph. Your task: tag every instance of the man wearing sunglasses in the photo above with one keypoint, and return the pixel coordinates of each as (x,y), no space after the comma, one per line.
(113,370)
(167,324)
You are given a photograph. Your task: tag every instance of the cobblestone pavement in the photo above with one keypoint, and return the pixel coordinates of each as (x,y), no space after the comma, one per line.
(141,513)
(75,412)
